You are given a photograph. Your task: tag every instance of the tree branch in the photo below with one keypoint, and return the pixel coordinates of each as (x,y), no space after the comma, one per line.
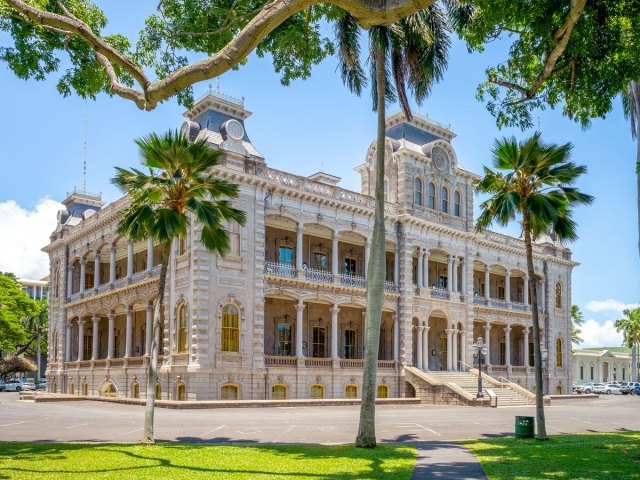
(117,88)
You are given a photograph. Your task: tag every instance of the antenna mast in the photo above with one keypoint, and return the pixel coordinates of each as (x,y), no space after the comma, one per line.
(84,165)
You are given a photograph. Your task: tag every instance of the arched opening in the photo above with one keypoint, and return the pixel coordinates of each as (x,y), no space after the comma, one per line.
(559,295)
(158,391)
(417,192)
(54,386)
(559,353)
(85,388)
(445,200)
(230,328)
(457,202)
(351,391)
(135,389)
(181,392)
(229,392)
(431,200)
(317,392)
(409,390)
(182,328)
(72,388)
(279,392)
(383,391)
(559,389)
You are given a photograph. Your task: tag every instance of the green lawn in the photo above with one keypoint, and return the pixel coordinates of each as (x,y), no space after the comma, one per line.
(611,456)
(35,461)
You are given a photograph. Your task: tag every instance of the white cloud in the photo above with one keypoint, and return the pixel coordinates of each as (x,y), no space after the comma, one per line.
(24,233)
(595,334)
(608,305)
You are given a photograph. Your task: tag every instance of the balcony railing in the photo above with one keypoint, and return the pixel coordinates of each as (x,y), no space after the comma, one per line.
(121,282)
(479,301)
(390,287)
(521,307)
(315,275)
(318,362)
(276,361)
(323,362)
(349,280)
(498,303)
(279,269)
(440,293)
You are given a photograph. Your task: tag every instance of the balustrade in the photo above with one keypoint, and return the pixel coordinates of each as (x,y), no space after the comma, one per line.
(349,280)
(440,293)
(280,269)
(315,275)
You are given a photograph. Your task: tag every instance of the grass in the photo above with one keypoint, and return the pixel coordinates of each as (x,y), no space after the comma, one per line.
(611,456)
(36,461)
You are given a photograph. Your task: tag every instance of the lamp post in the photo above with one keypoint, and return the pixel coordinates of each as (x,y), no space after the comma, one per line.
(480,351)
(544,353)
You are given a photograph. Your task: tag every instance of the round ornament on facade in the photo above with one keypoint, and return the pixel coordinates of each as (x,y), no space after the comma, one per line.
(234,129)
(440,160)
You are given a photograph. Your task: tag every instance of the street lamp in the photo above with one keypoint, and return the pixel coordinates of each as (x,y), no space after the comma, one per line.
(480,351)
(544,353)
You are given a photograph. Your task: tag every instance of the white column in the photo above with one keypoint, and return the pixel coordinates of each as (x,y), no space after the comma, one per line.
(425,349)
(487,342)
(542,293)
(526,289)
(149,254)
(419,345)
(420,265)
(129,333)
(299,245)
(334,331)
(148,332)
(112,318)
(94,347)
(449,332)
(396,342)
(96,271)
(83,271)
(299,309)
(67,341)
(507,286)
(463,347)
(367,247)
(463,284)
(334,257)
(130,259)
(80,339)
(69,280)
(112,264)
(487,287)
(507,345)
(454,340)
(425,269)
(449,273)
(455,275)
(396,266)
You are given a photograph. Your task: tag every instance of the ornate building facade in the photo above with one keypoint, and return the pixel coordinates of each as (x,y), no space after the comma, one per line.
(282,315)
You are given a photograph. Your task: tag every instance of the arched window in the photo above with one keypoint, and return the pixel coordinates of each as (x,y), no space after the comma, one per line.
(351,391)
(182,328)
(54,386)
(72,388)
(559,352)
(182,245)
(417,190)
(431,200)
(135,389)
(85,388)
(181,392)
(445,199)
(230,328)
(457,202)
(581,372)
(233,232)
(559,390)
(386,189)
(279,392)
(317,391)
(383,391)
(559,295)
(158,391)
(229,392)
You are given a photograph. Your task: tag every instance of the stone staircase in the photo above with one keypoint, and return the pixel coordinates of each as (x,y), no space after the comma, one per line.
(460,388)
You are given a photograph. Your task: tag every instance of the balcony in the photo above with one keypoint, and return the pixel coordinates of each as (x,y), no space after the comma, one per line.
(498,303)
(521,307)
(120,283)
(279,269)
(390,287)
(315,275)
(350,280)
(322,362)
(479,301)
(439,293)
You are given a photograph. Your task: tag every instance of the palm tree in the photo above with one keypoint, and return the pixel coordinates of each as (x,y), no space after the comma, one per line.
(178,186)
(577,319)
(631,107)
(414,52)
(630,326)
(532,181)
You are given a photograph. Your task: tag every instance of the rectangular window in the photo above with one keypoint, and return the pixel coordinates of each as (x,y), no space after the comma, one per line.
(581,372)
(320,261)
(285,255)
(319,342)
(349,344)
(500,292)
(284,340)
(233,232)
(87,351)
(350,266)
(503,353)
(591,373)
(442,281)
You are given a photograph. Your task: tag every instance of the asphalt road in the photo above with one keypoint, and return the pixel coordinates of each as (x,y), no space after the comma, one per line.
(87,421)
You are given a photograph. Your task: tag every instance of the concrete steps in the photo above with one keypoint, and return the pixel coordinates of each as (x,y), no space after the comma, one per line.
(507,396)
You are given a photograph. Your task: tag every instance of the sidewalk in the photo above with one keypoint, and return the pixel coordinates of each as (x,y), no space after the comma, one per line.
(446,460)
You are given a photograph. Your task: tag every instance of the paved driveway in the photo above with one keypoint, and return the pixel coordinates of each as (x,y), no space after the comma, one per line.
(87,421)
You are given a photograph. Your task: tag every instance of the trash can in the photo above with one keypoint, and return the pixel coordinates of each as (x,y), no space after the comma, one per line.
(525,427)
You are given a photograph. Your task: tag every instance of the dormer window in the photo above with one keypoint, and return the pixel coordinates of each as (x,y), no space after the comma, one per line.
(417,198)
(431,200)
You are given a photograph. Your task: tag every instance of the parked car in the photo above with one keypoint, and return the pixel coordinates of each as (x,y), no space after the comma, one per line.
(612,389)
(41,385)
(597,388)
(18,385)
(2,385)
(586,388)
(626,388)
(636,390)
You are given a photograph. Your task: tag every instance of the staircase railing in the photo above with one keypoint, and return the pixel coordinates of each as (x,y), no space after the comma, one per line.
(464,367)
(518,388)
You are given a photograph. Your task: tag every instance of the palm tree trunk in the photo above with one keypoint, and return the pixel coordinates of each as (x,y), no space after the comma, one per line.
(38,374)
(634,362)
(635,97)
(537,353)
(152,374)
(375,278)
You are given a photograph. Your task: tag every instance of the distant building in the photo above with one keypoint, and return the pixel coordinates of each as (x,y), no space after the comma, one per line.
(36,289)
(600,365)
(283,314)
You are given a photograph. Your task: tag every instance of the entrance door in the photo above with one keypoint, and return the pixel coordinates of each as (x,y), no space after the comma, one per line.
(443,353)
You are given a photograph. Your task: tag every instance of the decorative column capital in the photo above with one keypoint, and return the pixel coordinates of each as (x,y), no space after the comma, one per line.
(149,307)
(335,310)
(300,306)
(507,329)
(83,261)
(95,318)
(487,326)
(111,315)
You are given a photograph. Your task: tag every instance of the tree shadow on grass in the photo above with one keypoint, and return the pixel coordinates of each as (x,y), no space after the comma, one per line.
(180,460)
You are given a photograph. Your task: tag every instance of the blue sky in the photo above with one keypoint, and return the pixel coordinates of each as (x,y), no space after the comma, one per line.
(308,126)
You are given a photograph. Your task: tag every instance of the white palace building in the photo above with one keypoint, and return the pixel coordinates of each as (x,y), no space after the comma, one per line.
(282,316)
